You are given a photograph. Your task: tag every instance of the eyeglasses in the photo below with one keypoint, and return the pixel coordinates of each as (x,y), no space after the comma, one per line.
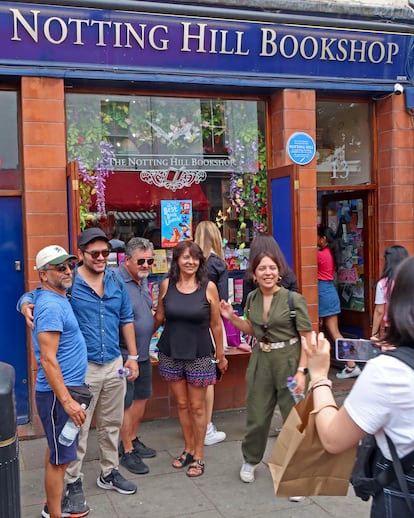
(96,253)
(140,262)
(63,267)
(264,328)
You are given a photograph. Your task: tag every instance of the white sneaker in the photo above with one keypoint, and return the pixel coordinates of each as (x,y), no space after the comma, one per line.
(247,472)
(349,372)
(213,436)
(296,498)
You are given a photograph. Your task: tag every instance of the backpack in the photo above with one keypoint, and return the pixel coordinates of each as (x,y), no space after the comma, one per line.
(368,453)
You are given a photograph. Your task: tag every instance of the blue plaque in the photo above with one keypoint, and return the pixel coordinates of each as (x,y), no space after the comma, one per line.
(301,148)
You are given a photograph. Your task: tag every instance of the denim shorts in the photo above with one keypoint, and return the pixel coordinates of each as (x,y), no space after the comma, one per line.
(141,388)
(200,372)
(328,299)
(53,419)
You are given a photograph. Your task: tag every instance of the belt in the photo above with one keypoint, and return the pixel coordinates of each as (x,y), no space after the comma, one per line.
(267,347)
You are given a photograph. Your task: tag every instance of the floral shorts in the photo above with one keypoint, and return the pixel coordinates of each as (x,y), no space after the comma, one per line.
(200,372)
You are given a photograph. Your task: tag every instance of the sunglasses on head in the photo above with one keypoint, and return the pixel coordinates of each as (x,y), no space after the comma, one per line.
(264,328)
(140,262)
(96,253)
(63,267)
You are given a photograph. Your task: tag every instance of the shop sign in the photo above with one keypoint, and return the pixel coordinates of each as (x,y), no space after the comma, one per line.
(301,148)
(92,41)
(211,164)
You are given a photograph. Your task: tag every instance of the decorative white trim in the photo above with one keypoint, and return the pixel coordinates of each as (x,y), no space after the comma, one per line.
(173,179)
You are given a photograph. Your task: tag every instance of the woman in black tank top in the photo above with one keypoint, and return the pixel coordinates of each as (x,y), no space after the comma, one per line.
(188,307)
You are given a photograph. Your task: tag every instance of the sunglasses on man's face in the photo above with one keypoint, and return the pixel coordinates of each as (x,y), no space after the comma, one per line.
(63,267)
(141,262)
(96,253)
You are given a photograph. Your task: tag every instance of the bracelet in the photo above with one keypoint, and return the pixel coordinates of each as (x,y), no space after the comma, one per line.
(319,380)
(322,383)
(303,370)
(133,356)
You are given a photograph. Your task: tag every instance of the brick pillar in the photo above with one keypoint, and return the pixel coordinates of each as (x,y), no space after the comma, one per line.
(395,129)
(45,216)
(293,111)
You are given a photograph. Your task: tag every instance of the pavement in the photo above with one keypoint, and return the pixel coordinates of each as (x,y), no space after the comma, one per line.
(168,493)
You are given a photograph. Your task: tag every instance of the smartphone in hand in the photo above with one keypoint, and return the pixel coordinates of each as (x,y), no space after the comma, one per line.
(355,349)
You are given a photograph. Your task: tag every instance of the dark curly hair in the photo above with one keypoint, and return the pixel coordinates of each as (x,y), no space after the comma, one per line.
(195,251)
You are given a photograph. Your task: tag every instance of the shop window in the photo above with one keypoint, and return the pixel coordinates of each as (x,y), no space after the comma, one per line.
(211,151)
(9,146)
(343,140)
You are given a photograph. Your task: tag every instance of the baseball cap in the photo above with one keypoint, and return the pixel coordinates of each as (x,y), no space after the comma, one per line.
(90,234)
(52,254)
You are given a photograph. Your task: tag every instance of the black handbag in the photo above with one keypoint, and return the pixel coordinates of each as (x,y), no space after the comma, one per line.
(81,394)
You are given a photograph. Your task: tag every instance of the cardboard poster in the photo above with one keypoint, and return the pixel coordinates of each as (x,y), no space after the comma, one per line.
(176,222)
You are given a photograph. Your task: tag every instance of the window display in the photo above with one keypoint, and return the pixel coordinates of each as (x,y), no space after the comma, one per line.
(134,151)
(343,140)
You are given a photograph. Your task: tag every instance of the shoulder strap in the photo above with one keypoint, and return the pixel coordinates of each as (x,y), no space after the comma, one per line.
(404,354)
(399,473)
(292,309)
(115,276)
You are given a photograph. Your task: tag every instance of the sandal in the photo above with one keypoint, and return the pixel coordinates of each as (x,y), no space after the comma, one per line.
(196,468)
(184,460)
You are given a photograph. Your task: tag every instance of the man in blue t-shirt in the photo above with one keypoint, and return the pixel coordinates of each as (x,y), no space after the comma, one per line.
(102,308)
(60,351)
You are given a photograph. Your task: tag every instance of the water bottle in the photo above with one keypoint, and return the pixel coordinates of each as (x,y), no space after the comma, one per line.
(291,385)
(69,431)
(124,372)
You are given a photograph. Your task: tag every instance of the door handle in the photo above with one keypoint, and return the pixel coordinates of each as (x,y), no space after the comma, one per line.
(17,266)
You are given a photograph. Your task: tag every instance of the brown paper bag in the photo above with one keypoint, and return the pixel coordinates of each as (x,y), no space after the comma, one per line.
(299,464)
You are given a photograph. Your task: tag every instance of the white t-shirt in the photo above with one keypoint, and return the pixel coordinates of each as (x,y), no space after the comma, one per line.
(382,400)
(382,297)
(380,294)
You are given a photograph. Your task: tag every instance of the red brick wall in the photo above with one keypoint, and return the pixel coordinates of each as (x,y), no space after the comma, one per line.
(45,211)
(395,130)
(292,111)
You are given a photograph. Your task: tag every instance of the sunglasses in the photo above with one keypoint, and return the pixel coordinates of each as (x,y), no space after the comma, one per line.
(140,262)
(264,328)
(96,253)
(63,267)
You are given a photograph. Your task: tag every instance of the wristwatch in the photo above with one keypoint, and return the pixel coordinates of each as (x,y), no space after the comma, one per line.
(303,369)
(133,356)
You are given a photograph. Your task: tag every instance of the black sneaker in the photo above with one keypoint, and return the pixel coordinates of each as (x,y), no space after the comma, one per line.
(142,450)
(117,482)
(74,503)
(133,463)
(65,511)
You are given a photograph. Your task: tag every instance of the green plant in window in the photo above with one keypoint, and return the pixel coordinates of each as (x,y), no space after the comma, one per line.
(86,138)
(248,182)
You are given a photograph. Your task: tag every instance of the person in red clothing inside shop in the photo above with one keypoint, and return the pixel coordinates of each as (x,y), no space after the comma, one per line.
(328,298)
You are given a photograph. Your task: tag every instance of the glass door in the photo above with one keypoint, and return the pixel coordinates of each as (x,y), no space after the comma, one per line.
(348,215)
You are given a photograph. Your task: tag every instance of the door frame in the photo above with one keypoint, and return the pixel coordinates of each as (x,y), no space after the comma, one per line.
(283,199)
(348,318)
